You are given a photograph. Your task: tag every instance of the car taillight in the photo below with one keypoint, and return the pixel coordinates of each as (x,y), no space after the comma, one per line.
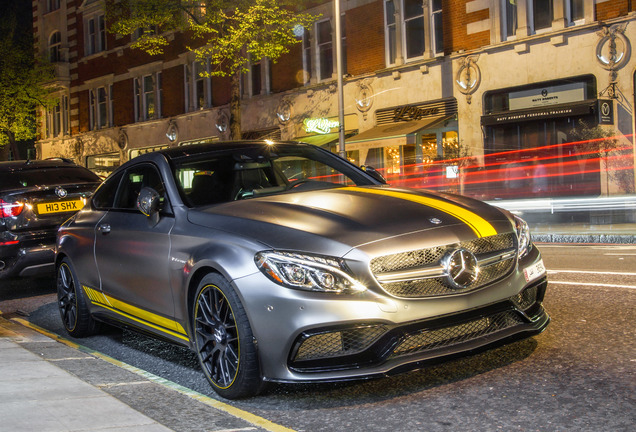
(10,209)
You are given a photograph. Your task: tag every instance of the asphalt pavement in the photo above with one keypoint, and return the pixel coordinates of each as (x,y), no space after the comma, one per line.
(50,384)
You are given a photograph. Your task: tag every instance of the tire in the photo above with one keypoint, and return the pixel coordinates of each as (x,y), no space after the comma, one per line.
(224,342)
(71,303)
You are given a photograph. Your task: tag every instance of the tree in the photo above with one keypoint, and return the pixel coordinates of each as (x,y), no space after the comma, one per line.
(22,78)
(604,144)
(230,33)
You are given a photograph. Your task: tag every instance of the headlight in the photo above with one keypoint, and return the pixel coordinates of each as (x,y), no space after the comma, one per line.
(523,234)
(307,272)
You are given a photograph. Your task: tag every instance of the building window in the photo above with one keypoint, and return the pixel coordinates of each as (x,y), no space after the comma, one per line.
(66,121)
(52,5)
(57,119)
(390,31)
(509,18)
(575,10)
(148,94)
(255,79)
(542,14)
(413,28)
(324,50)
(306,57)
(139,32)
(95,35)
(437,30)
(406,29)
(101,107)
(201,85)
(258,78)
(55,43)
(198,86)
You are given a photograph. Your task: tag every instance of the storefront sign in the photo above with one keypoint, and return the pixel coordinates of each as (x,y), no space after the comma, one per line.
(605,112)
(320,125)
(452,172)
(543,96)
(410,112)
(414,112)
(537,114)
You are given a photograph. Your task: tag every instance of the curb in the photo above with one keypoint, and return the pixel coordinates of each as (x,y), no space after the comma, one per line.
(585,238)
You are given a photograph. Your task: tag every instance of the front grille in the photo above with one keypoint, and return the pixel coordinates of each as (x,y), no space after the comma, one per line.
(338,343)
(432,258)
(425,340)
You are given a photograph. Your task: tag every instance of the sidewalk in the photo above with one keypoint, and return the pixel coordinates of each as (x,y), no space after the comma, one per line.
(36,395)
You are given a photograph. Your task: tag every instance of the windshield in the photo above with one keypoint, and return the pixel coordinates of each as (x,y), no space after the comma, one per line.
(249,172)
(39,177)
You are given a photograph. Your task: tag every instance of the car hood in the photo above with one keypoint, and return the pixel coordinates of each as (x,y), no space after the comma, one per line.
(352,217)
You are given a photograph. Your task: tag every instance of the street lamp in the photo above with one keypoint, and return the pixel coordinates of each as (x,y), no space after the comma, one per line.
(341,135)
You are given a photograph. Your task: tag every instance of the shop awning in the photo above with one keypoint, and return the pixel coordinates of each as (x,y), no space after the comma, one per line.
(319,140)
(325,139)
(398,130)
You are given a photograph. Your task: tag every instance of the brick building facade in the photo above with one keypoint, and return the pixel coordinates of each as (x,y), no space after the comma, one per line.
(437,93)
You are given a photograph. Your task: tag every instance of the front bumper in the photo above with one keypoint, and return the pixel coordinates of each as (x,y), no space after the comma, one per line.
(384,349)
(314,337)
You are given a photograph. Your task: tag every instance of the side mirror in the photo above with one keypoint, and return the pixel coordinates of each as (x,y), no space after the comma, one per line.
(149,203)
(373,173)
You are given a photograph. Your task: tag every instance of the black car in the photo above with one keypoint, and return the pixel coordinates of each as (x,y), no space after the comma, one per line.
(36,196)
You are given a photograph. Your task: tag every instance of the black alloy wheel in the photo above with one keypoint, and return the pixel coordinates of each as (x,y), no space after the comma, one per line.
(74,312)
(224,341)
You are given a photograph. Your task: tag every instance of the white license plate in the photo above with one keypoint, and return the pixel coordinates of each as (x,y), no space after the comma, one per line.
(535,271)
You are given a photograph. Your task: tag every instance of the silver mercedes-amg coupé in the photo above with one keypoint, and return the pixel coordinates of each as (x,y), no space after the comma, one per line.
(282,262)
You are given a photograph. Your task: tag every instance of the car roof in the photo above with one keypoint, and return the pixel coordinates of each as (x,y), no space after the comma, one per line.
(222,146)
(19,165)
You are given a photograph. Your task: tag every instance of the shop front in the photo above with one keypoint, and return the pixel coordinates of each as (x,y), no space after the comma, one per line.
(412,145)
(544,140)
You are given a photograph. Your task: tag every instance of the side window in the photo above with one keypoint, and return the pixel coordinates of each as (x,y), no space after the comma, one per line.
(104,197)
(133,180)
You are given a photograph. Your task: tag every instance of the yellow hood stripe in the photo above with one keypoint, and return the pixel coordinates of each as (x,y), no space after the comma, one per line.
(479,225)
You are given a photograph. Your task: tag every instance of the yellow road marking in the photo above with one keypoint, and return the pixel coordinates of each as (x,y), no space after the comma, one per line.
(221,406)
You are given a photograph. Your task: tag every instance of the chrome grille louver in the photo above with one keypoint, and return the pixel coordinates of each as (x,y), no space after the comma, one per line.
(421,273)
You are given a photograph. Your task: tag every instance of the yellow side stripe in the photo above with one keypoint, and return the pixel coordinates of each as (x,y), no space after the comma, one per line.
(479,225)
(95,296)
(134,313)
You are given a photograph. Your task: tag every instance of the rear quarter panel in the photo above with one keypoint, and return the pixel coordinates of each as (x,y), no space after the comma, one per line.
(75,240)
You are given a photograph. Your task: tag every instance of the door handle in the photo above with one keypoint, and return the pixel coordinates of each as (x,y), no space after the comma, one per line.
(104,228)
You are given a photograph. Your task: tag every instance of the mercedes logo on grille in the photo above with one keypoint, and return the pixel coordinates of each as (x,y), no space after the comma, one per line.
(461,268)
(60,191)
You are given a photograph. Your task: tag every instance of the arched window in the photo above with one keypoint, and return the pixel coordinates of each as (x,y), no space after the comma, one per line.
(55,43)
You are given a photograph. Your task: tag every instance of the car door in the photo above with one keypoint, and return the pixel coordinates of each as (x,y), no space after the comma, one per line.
(132,253)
